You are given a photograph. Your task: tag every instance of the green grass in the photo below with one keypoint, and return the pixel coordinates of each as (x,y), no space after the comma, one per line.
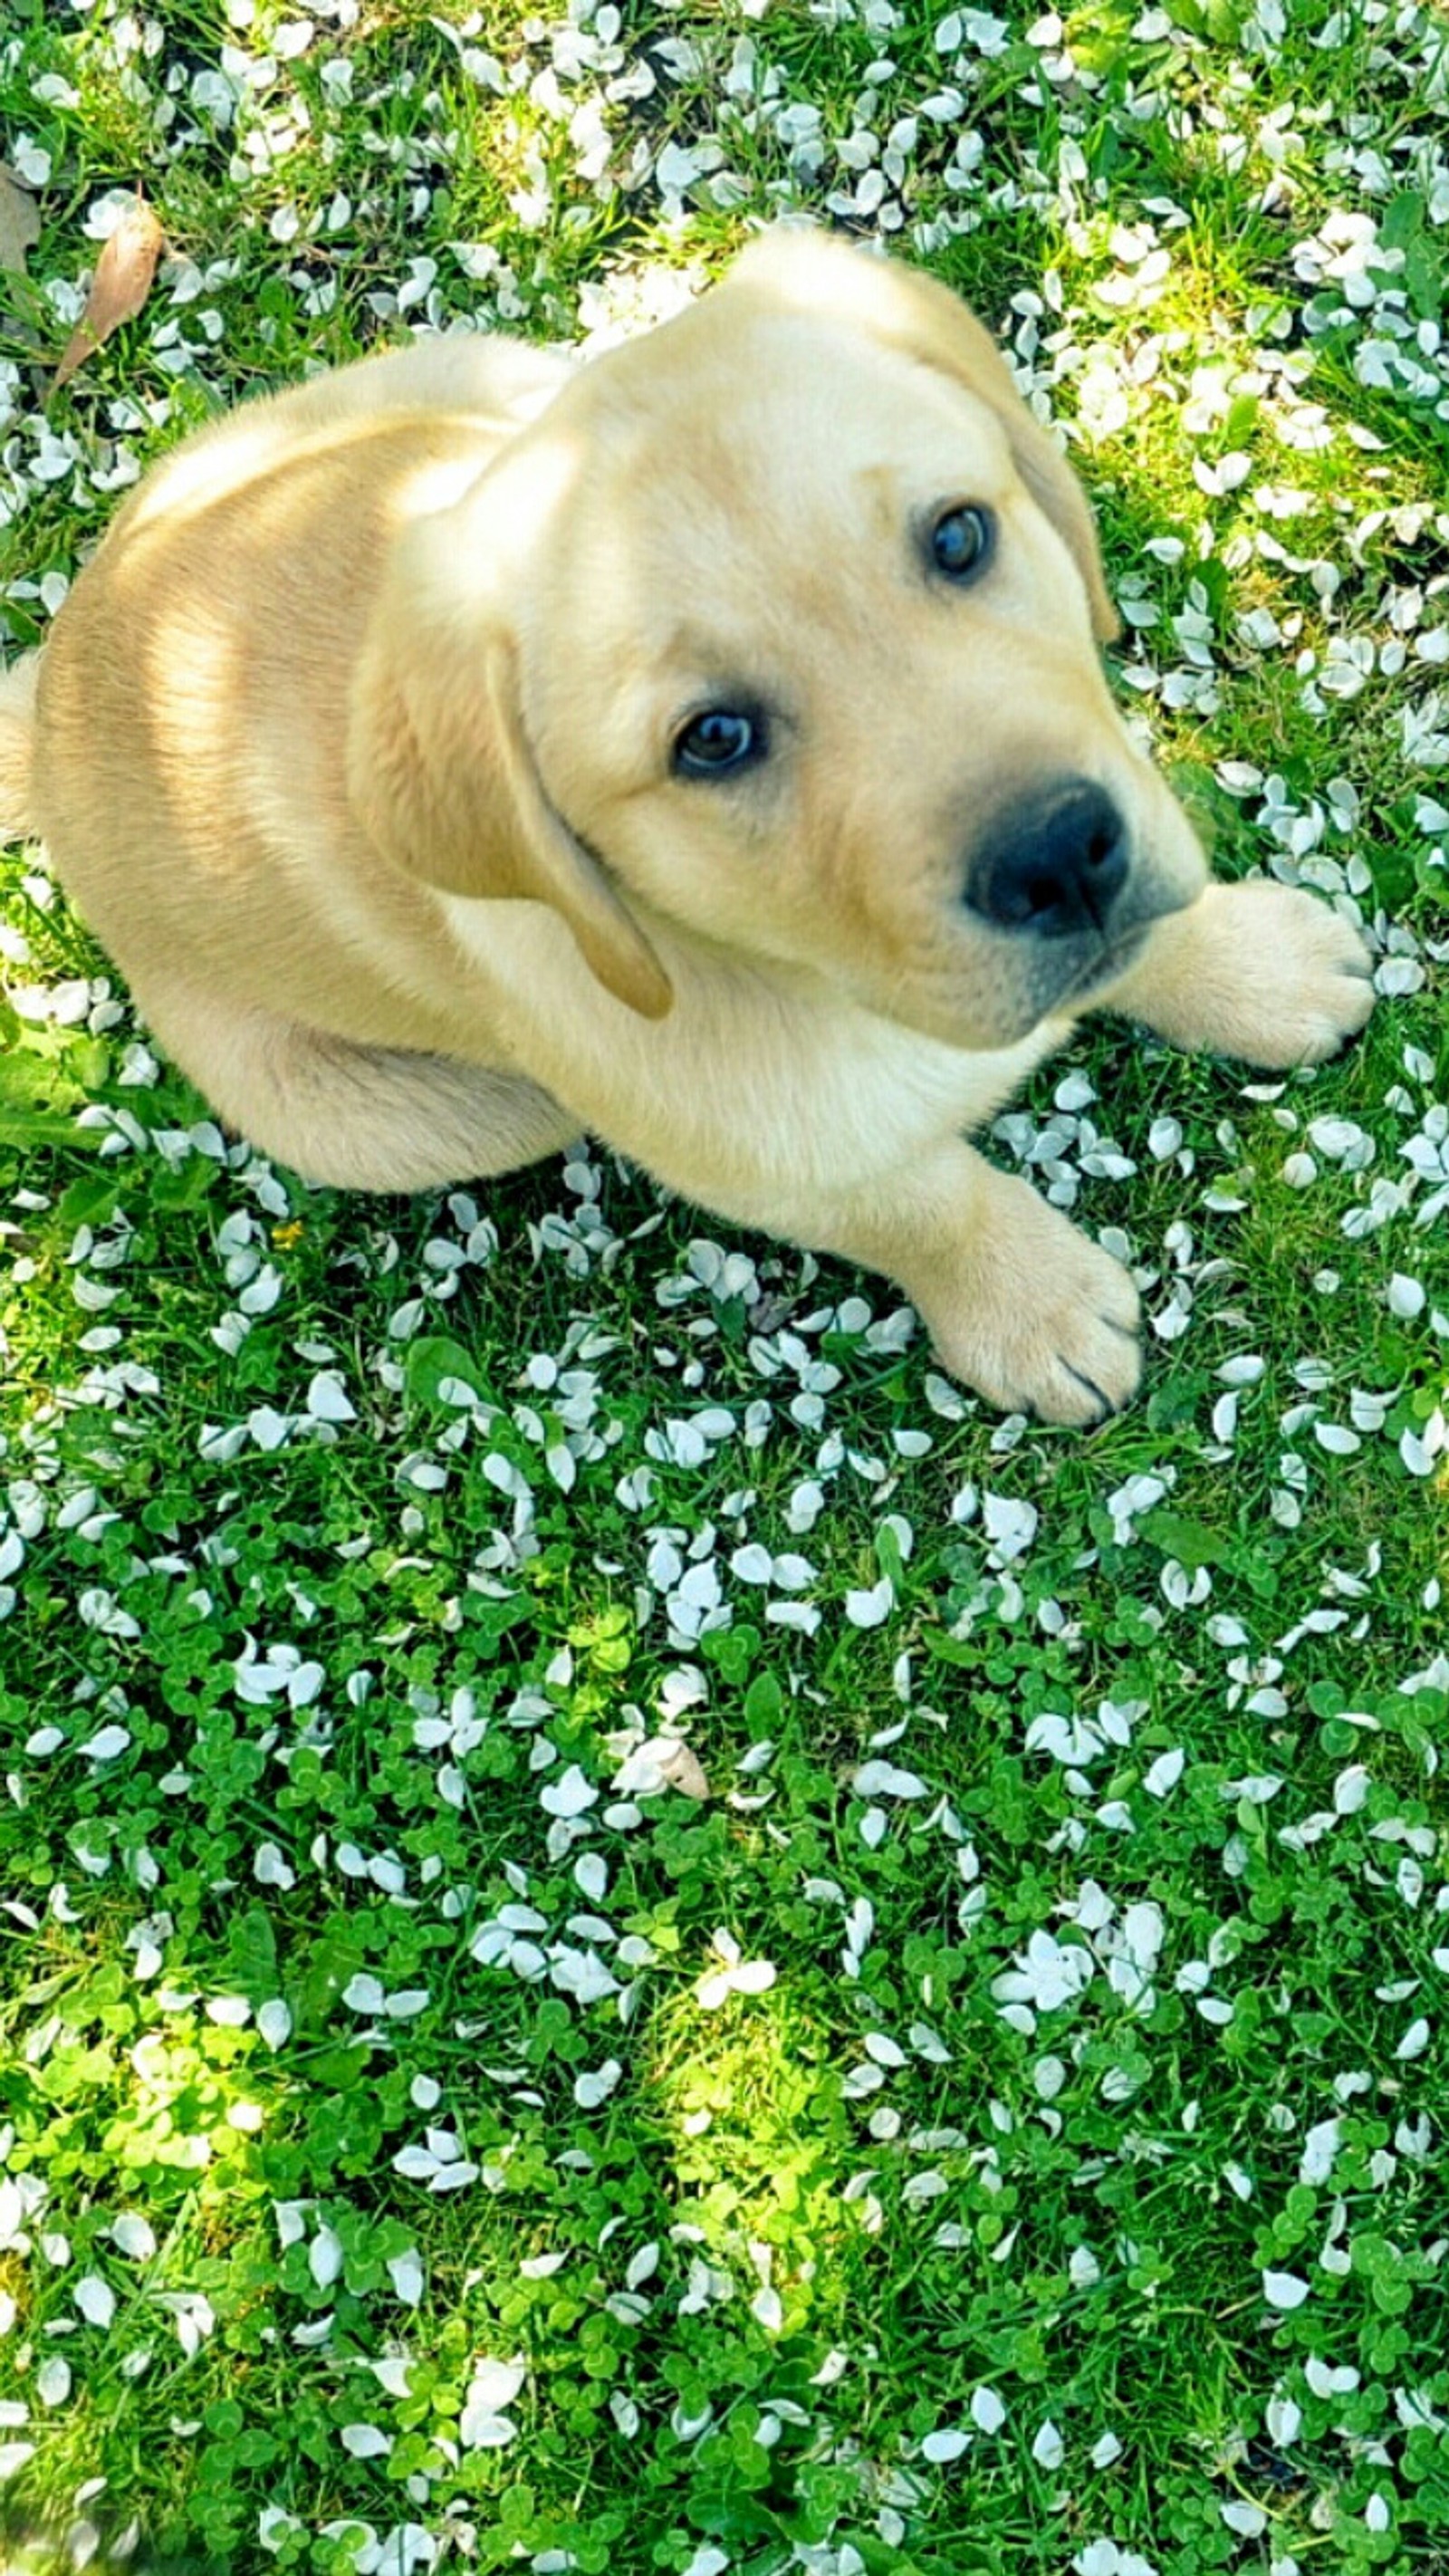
(870,2262)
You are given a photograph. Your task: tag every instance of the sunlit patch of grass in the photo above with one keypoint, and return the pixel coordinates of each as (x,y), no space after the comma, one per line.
(748,2101)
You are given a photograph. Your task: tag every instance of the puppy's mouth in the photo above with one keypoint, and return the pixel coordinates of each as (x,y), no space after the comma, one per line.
(1064,973)
(1115,955)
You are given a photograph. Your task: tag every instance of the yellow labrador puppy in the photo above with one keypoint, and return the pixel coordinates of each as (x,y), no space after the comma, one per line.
(707,745)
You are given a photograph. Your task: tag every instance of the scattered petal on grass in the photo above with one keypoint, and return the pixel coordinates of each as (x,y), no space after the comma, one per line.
(592,2088)
(707,2561)
(1320,2148)
(1010,1524)
(192,2316)
(869,1609)
(572,1795)
(885,1780)
(484,2424)
(1048,2450)
(664,1762)
(324,2257)
(275,2527)
(1286,2290)
(95,2299)
(1244,2517)
(1049,1974)
(366,2441)
(364,1994)
(642,2267)
(405,2272)
(274,2021)
(736,1976)
(107,1744)
(328,1399)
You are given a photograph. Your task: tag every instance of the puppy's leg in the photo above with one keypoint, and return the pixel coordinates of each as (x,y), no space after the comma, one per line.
(361,1118)
(1257,970)
(1018,1303)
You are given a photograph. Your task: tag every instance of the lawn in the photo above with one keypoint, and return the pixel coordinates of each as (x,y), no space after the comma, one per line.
(634,1937)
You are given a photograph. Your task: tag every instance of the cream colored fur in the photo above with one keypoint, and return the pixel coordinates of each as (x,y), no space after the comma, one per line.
(353,745)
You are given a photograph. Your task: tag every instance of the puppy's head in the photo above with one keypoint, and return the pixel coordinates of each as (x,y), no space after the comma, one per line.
(782,625)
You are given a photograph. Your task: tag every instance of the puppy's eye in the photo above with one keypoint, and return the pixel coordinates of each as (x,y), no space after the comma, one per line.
(718,742)
(961,542)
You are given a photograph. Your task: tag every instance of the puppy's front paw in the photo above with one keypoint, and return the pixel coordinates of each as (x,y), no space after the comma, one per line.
(1045,1322)
(1311,986)
(1258,970)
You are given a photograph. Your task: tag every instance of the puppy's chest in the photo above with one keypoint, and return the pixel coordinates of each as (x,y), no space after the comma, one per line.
(777,1073)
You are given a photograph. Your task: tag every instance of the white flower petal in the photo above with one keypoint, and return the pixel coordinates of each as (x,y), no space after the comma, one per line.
(571,1795)
(95,2299)
(1284,2290)
(495,2384)
(1049,2450)
(869,1609)
(104,1747)
(480,2431)
(596,2084)
(1245,2517)
(328,1399)
(884,1780)
(1165,1773)
(366,2441)
(324,2257)
(364,1994)
(405,2271)
(756,1976)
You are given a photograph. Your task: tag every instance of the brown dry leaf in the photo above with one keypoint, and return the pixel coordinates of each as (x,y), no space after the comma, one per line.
(119,288)
(19,220)
(684,1771)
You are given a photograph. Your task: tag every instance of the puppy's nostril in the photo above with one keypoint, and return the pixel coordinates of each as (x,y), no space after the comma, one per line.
(1041,891)
(1056,865)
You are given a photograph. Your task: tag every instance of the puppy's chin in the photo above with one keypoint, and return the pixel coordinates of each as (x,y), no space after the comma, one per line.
(976,1020)
(1100,963)
(1100,971)
(1002,1003)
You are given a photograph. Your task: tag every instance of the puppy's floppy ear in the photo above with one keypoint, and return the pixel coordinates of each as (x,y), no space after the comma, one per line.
(443,781)
(803,269)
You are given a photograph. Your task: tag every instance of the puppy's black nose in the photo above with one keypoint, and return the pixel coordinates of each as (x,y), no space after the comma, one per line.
(1055,864)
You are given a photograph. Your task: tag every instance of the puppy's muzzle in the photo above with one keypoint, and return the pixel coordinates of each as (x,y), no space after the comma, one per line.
(1055,866)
